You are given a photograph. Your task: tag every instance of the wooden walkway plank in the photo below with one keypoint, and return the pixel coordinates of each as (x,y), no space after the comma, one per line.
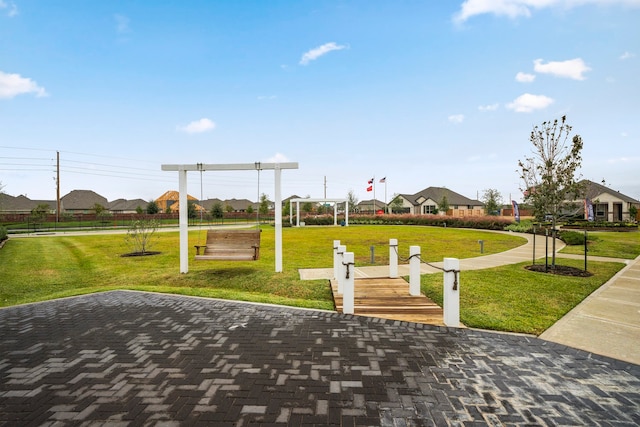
(389,299)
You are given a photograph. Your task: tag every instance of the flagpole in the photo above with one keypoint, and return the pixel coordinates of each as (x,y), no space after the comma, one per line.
(374,194)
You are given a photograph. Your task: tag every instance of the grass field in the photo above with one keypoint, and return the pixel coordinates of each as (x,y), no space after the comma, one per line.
(609,244)
(506,298)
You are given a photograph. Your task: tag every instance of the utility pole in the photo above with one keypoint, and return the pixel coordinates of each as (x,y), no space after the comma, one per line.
(57,186)
(325,187)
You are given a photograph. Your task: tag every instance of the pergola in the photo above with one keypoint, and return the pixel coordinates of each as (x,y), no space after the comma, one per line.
(335,209)
(200,167)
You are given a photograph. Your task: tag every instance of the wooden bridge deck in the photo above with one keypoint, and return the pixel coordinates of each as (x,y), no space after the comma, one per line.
(389,299)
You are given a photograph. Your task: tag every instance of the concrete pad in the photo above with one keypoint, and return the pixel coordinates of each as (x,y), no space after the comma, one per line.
(599,336)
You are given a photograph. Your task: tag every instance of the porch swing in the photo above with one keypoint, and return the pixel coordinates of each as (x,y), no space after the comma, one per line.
(230,245)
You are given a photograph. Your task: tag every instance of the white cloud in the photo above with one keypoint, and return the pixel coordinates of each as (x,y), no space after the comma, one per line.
(516,8)
(490,107)
(277,158)
(525,77)
(317,52)
(527,103)
(14,84)
(572,68)
(263,97)
(11,8)
(456,118)
(122,24)
(198,126)
(627,55)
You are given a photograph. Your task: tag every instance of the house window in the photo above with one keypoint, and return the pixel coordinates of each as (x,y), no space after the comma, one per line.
(601,210)
(428,209)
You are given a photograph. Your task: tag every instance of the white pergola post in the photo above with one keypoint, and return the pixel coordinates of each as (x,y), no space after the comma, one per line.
(183,220)
(335,208)
(184,212)
(278,219)
(348,297)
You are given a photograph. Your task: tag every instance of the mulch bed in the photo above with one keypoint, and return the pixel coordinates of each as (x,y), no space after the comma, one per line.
(560,270)
(147,253)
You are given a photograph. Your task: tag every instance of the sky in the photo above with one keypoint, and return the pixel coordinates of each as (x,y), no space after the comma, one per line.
(420,93)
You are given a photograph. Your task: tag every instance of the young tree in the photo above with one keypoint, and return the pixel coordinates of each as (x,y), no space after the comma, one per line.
(549,174)
(443,205)
(492,200)
(152,208)
(396,203)
(352,200)
(216,210)
(140,233)
(264,204)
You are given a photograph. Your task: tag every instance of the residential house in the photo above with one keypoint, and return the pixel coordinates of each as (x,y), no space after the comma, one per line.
(22,204)
(427,201)
(123,206)
(608,204)
(82,201)
(370,206)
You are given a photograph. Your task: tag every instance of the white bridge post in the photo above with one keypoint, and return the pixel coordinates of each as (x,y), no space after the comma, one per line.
(348,303)
(451,294)
(414,270)
(336,266)
(341,270)
(393,258)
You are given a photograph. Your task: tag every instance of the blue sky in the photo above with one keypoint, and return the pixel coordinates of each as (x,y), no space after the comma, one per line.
(424,93)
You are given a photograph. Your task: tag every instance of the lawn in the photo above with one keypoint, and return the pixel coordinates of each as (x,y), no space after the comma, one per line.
(511,298)
(506,298)
(609,244)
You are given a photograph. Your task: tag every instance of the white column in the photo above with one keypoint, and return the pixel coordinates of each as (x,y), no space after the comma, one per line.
(336,266)
(348,303)
(278,219)
(393,258)
(341,271)
(346,213)
(335,213)
(183,220)
(451,296)
(414,270)
(297,214)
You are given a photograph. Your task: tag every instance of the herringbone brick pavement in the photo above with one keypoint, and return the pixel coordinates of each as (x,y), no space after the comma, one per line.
(131,358)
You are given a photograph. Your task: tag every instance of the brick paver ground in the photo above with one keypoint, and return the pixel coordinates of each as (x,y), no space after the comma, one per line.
(130,358)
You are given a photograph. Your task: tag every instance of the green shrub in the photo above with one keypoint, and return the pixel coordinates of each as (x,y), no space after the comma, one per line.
(572,237)
(520,227)
(3,233)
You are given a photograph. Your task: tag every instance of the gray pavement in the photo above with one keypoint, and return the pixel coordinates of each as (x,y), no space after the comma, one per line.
(130,358)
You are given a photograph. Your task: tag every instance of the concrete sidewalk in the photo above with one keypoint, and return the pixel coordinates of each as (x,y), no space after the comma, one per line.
(605,323)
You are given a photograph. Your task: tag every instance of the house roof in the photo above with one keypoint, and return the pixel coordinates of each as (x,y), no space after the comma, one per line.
(437,193)
(173,195)
(127,205)
(82,200)
(21,203)
(593,190)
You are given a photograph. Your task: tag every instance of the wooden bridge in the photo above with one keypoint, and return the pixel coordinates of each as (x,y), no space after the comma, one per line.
(390,299)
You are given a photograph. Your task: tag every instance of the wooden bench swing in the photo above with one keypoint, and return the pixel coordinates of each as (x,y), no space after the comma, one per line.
(230,245)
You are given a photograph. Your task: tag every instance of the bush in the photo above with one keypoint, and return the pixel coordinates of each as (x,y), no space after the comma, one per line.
(3,233)
(479,222)
(572,237)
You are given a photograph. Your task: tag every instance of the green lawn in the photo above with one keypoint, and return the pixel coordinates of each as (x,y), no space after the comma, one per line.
(506,298)
(609,244)
(511,298)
